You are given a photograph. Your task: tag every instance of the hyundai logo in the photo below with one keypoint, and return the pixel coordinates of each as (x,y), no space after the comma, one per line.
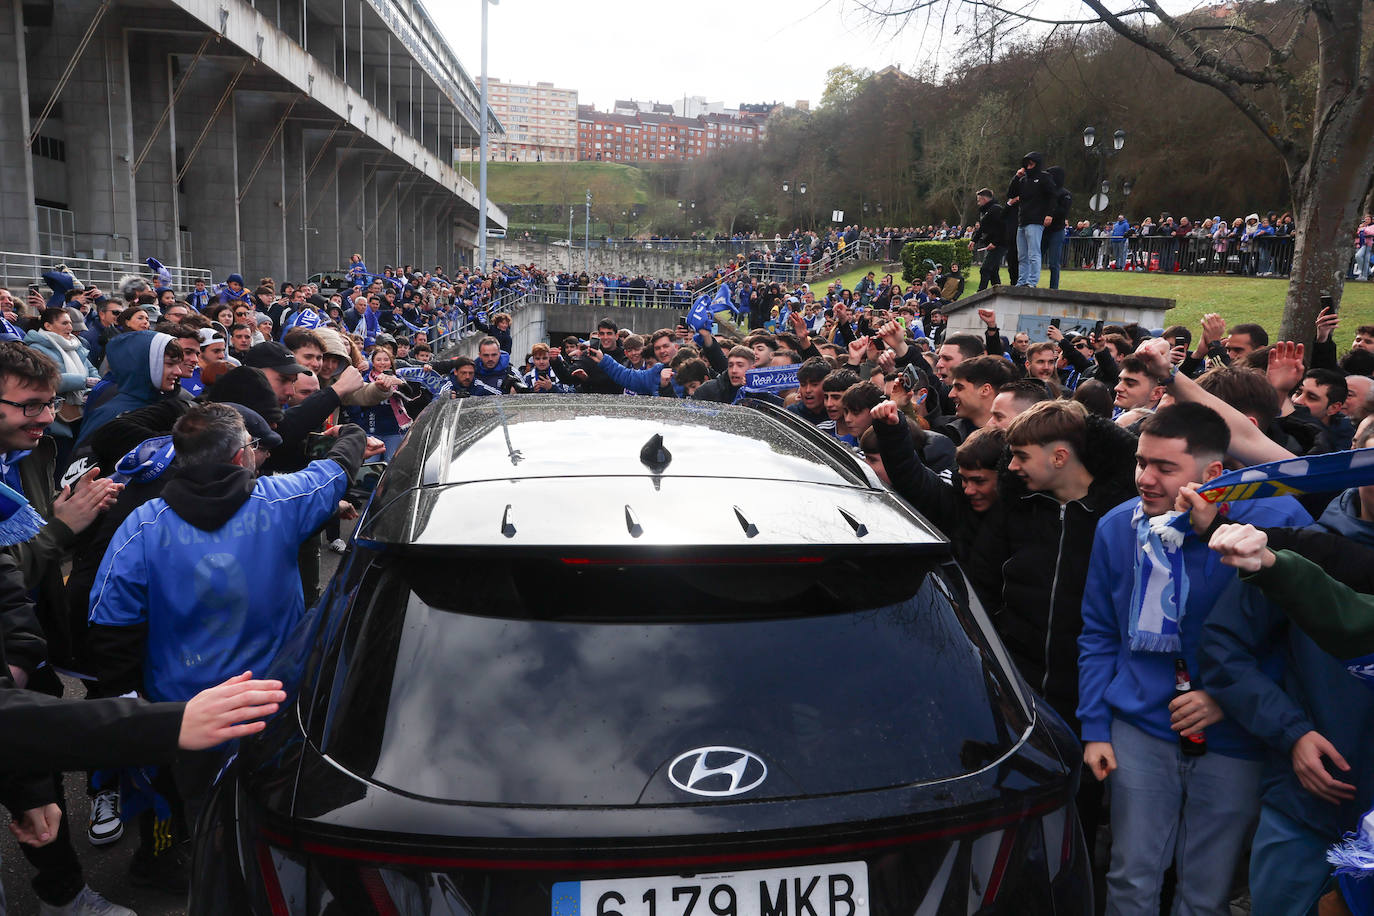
(717,771)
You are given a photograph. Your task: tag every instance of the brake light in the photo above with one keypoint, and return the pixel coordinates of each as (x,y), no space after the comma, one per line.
(377,892)
(999,867)
(271,882)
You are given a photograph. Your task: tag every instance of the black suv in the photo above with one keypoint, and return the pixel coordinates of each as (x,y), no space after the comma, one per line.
(637,657)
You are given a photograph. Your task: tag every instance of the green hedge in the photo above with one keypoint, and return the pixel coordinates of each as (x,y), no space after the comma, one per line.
(915,254)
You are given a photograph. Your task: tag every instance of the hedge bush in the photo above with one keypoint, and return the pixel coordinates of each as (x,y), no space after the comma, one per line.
(915,254)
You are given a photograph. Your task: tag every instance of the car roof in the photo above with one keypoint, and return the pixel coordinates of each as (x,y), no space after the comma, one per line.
(570,470)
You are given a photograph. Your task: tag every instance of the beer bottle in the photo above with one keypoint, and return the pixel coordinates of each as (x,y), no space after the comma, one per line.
(1191,745)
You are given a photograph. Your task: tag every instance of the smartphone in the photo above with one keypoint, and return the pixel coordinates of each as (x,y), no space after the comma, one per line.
(682,321)
(1328,305)
(1097,328)
(1054,322)
(1180,341)
(910,380)
(33,288)
(594,343)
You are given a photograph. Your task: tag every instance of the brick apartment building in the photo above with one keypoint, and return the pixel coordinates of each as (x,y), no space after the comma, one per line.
(634,133)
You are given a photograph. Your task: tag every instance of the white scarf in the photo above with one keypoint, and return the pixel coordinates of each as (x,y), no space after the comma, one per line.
(69,348)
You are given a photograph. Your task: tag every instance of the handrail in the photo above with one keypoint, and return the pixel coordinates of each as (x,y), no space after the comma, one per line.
(516,300)
(27,267)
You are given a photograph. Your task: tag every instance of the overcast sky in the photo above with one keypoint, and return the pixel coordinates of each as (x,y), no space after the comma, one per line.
(730,51)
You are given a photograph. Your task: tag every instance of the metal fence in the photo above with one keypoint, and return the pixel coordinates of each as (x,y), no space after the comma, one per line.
(1265,256)
(24,268)
(510,301)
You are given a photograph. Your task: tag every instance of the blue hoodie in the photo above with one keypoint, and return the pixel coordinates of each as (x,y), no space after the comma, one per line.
(1137,687)
(135,361)
(1315,693)
(495,380)
(634,381)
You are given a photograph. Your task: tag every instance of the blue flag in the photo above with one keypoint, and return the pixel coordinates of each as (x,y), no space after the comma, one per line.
(437,383)
(1290,477)
(769,380)
(725,299)
(1294,477)
(700,315)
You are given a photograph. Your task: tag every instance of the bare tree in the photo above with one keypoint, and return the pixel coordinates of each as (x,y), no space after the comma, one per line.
(1321,123)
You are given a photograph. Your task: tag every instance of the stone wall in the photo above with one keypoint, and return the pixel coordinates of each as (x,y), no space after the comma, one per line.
(631,259)
(1030,310)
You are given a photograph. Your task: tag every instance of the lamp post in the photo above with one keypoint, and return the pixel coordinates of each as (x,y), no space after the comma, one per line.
(482,175)
(570,216)
(793,189)
(1100,201)
(586,236)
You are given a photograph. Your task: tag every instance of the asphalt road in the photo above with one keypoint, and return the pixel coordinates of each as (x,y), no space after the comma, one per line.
(106,867)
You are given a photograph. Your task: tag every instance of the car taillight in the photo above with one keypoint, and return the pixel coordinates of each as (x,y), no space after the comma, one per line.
(377,892)
(269,874)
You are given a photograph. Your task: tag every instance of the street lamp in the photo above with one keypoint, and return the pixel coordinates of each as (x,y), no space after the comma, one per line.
(1100,201)
(482,176)
(788,188)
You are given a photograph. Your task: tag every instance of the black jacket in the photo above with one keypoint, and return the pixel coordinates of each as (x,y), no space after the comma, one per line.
(1033,552)
(1062,202)
(44,734)
(717,389)
(991,229)
(1035,190)
(942,503)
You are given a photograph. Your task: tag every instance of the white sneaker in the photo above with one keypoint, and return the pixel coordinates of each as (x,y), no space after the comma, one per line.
(105,826)
(86,903)
(337,545)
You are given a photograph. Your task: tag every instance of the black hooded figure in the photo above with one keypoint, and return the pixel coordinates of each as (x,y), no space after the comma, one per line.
(1052,243)
(1032,190)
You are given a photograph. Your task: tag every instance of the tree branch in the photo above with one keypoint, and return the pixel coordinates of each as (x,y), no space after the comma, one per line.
(1190,69)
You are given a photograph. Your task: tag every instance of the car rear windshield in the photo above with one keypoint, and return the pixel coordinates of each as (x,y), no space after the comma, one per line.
(471,678)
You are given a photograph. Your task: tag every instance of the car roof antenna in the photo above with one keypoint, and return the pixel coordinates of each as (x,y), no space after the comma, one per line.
(654,455)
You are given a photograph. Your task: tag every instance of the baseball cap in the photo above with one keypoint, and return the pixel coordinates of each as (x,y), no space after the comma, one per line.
(209,336)
(272,355)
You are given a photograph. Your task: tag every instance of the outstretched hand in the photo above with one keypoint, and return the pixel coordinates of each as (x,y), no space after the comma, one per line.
(224,712)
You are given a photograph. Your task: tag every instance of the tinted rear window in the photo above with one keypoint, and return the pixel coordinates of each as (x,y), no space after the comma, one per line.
(548,683)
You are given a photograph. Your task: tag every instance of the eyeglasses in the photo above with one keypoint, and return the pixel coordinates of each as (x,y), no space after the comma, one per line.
(34,408)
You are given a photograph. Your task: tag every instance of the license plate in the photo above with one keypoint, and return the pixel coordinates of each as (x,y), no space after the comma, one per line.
(840,889)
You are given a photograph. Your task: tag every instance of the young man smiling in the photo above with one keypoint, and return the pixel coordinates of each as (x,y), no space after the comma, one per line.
(1149,592)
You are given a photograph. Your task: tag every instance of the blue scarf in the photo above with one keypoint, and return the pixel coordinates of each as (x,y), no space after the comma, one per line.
(1160,595)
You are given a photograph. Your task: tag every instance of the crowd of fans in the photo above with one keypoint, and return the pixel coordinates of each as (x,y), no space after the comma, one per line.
(144,437)
(1045,462)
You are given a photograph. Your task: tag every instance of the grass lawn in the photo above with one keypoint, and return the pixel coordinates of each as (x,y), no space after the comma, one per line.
(555,182)
(1238,299)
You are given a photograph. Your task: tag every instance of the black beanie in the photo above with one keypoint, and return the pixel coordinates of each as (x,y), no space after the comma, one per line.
(249,387)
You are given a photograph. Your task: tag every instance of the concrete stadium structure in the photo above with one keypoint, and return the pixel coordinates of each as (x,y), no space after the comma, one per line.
(271,137)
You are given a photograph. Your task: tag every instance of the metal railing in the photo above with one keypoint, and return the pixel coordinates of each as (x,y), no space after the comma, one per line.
(456,326)
(24,268)
(1264,256)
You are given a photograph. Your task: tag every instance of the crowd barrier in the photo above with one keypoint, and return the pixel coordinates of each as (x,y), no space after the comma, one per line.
(1265,256)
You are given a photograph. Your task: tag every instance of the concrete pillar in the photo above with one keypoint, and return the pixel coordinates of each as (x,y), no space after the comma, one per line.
(389,189)
(93,121)
(319,207)
(210,187)
(351,202)
(297,156)
(151,81)
(262,225)
(18,223)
